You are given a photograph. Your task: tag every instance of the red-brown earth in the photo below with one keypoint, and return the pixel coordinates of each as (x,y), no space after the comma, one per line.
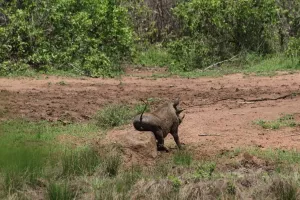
(218,118)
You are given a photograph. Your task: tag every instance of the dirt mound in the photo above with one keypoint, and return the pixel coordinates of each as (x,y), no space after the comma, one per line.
(137,147)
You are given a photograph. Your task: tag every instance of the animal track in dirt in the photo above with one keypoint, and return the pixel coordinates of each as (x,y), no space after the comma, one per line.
(224,106)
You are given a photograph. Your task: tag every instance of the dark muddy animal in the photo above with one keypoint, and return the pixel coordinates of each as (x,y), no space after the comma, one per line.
(161,122)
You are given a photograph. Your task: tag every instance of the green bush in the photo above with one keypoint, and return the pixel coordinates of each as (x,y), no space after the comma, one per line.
(293,50)
(216,30)
(86,37)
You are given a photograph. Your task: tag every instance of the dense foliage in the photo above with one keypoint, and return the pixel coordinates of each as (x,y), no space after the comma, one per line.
(93,37)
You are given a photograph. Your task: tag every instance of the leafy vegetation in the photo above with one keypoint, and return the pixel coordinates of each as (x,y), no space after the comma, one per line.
(94,38)
(87,37)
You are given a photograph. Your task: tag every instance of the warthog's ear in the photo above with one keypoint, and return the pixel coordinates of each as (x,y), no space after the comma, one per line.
(179,111)
(181,118)
(176,102)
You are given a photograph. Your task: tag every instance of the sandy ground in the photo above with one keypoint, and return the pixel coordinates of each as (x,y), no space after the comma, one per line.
(219,116)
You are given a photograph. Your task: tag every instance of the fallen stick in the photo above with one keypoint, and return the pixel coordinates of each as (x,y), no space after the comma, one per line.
(211,66)
(209,135)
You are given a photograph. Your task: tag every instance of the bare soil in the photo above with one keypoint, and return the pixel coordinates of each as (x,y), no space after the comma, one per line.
(218,118)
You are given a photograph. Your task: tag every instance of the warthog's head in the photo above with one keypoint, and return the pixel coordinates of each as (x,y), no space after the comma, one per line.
(178,110)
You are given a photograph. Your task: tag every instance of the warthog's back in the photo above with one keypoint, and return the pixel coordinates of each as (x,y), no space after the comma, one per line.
(149,122)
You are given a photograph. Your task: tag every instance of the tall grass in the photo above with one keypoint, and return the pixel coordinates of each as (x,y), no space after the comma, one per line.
(28,151)
(21,130)
(280,62)
(22,164)
(79,162)
(114,115)
(154,56)
(182,158)
(113,164)
(58,191)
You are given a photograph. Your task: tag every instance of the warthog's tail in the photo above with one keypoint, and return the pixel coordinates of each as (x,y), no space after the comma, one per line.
(146,104)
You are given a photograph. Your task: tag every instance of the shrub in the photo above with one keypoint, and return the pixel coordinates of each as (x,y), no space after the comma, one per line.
(86,37)
(216,30)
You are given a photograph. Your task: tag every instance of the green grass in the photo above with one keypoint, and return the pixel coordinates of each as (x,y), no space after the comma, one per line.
(251,64)
(152,57)
(22,164)
(114,115)
(286,189)
(156,56)
(21,130)
(112,164)
(205,170)
(31,163)
(276,155)
(80,162)
(182,158)
(127,179)
(28,149)
(284,121)
(58,191)
(269,64)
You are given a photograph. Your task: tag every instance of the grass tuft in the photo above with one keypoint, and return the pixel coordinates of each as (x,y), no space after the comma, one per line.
(57,191)
(285,190)
(205,170)
(80,162)
(182,158)
(113,115)
(113,164)
(284,121)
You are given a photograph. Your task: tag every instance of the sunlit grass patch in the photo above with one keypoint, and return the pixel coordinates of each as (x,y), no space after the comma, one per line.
(182,158)
(284,121)
(114,115)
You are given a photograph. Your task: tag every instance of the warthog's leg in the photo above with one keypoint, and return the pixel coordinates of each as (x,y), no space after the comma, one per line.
(174,133)
(160,140)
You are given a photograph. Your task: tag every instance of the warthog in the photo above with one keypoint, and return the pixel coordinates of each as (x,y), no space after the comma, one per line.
(161,122)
